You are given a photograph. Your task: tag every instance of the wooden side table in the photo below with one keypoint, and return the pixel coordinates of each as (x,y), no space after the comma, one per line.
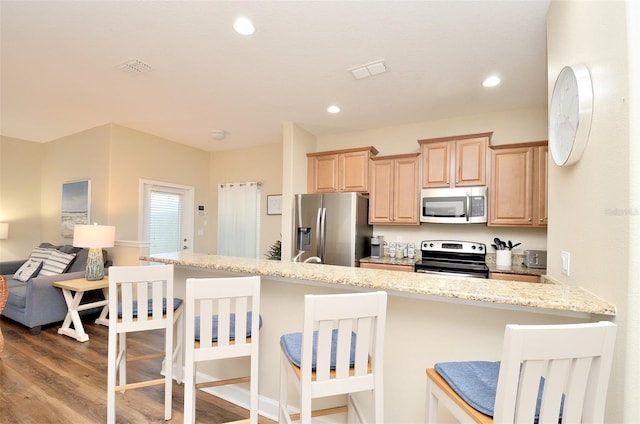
(80,286)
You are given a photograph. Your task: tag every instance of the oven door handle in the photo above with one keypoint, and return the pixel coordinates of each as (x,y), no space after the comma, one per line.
(451,274)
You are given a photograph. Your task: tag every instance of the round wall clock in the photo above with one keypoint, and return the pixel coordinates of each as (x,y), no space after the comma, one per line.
(570,114)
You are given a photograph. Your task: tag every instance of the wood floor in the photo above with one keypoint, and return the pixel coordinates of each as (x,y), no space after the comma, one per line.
(50,378)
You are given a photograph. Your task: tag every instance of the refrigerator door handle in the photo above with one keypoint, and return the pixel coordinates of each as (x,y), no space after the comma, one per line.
(318,232)
(323,233)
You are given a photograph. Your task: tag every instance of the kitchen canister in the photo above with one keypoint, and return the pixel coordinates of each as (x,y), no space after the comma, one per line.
(392,249)
(411,250)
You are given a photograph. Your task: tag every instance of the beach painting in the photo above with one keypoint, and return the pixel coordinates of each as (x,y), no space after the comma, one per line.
(76,205)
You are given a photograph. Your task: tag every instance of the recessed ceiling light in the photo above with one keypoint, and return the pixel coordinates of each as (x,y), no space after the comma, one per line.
(491,81)
(333,109)
(244,26)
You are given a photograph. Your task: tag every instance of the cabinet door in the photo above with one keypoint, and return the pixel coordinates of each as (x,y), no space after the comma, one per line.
(540,185)
(405,186)
(511,190)
(436,164)
(323,174)
(471,162)
(354,171)
(381,192)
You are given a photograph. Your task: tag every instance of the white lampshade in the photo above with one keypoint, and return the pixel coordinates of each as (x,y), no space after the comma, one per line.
(94,235)
(4,230)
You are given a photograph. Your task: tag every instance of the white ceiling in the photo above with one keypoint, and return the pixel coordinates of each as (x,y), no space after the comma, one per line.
(59,59)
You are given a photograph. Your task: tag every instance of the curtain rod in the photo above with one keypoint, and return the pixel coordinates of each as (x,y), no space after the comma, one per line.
(250,183)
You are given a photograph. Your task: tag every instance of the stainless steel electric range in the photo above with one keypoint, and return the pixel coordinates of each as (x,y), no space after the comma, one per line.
(450,257)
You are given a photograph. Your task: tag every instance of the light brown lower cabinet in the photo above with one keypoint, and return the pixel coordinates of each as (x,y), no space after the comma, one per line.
(514,277)
(388,267)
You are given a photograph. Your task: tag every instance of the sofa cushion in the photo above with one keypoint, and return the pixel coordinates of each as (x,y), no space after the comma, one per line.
(29,269)
(41,253)
(17,294)
(67,248)
(57,263)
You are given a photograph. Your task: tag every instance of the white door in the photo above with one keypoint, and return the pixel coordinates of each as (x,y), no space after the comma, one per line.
(167,217)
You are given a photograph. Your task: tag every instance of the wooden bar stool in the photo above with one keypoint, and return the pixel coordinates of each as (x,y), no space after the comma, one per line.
(339,351)
(222,321)
(141,299)
(547,373)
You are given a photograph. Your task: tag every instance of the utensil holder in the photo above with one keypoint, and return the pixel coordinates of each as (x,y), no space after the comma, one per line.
(503,258)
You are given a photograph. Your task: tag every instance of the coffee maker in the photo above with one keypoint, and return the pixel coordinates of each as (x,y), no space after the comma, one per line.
(377,243)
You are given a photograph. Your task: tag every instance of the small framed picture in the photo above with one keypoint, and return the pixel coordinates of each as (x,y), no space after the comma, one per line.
(274,204)
(76,205)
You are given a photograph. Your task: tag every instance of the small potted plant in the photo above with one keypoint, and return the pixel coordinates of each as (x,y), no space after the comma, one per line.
(274,251)
(503,251)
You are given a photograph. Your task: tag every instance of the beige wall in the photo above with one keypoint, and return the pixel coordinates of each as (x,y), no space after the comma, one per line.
(20,182)
(136,155)
(262,164)
(516,126)
(583,196)
(80,156)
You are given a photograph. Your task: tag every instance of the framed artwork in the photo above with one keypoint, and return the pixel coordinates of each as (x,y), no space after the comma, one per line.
(274,204)
(76,205)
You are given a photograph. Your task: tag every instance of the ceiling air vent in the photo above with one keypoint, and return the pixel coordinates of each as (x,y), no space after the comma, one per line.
(134,66)
(369,69)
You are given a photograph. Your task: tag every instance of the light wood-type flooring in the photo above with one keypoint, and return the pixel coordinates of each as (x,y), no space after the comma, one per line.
(51,378)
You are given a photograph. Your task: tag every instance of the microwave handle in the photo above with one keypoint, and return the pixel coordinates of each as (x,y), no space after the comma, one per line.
(468,212)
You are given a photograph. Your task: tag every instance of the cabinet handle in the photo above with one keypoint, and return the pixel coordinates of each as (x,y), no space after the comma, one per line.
(529,219)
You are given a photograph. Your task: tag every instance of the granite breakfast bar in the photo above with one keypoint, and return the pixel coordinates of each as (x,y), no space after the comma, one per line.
(429,318)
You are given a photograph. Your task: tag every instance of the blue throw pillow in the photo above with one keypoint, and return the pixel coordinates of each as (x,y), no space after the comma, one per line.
(292,345)
(176,304)
(477,381)
(232,326)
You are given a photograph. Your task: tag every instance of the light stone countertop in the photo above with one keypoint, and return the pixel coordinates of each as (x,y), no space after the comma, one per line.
(546,298)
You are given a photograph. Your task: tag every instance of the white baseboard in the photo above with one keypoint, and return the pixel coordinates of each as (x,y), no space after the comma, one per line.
(238,394)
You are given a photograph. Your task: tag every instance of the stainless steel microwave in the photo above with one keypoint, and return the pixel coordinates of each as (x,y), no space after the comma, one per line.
(462,205)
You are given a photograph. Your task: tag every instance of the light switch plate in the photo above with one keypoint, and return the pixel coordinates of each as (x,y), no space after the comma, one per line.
(566,259)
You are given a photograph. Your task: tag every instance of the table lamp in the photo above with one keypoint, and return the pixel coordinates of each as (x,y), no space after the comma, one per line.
(4,230)
(95,237)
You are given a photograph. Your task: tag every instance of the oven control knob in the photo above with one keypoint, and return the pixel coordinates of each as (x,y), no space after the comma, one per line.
(430,244)
(473,247)
(480,247)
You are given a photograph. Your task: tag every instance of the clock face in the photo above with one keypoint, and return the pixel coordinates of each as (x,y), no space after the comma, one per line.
(570,115)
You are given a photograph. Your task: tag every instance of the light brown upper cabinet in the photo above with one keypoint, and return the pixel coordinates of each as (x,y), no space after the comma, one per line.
(339,170)
(394,194)
(458,161)
(518,190)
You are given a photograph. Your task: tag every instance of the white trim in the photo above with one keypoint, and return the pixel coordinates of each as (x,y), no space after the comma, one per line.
(132,243)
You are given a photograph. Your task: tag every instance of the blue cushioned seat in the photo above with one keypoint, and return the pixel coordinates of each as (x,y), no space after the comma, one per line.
(476,382)
(292,346)
(232,327)
(176,304)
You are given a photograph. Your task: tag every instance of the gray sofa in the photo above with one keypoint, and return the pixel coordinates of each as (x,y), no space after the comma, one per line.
(36,302)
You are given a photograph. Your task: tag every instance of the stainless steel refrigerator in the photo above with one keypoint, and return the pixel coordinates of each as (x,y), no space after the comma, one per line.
(331,228)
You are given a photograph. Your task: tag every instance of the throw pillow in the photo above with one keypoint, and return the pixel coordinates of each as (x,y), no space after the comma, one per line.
(28,269)
(57,263)
(41,253)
